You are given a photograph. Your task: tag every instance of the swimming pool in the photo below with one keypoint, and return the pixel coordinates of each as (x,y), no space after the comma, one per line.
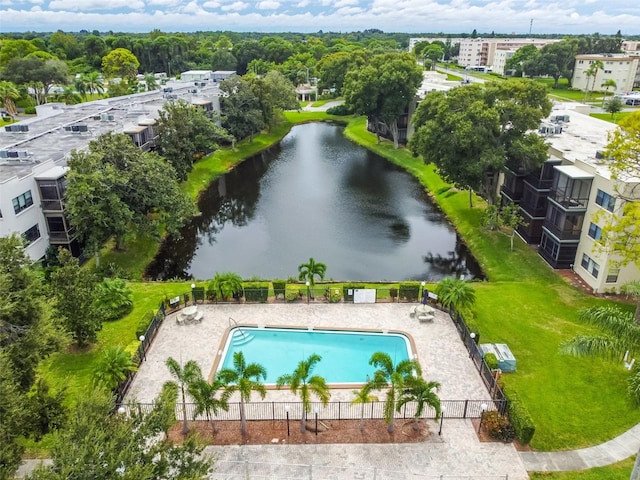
(345,353)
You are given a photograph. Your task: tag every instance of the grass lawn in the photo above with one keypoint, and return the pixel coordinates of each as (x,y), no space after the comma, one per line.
(617,471)
(574,402)
(320,103)
(608,118)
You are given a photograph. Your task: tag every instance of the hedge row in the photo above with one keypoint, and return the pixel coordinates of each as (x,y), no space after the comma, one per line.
(520,418)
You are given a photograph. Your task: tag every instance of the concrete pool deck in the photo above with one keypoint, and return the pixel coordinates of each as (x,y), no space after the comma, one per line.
(440,351)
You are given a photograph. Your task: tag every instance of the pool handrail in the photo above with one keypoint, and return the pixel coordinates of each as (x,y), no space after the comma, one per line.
(237,326)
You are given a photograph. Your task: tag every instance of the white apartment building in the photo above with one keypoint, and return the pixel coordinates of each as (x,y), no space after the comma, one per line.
(624,69)
(482,51)
(631,46)
(568,202)
(34,154)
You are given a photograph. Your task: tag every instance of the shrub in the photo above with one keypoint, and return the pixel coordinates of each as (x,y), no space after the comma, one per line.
(113,298)
(520,418)
(339,110)
(144,323)
(256,292)
(498,426)
(30,110)
(292,294)
(491,360)
(409,291)
(334,295)
(279,287)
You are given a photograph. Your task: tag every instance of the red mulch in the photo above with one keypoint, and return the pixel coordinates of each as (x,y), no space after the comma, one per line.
(329,431)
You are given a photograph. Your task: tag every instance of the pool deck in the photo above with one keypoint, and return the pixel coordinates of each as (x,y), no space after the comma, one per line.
(440,352)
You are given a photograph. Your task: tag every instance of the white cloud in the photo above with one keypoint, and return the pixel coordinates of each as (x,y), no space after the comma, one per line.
(345,3)
(235,7)
(164,3)
(268,5)
(211,4)
(303,3)
(82,5)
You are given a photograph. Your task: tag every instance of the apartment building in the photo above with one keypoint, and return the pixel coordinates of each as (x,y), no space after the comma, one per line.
(622,68)
(568,201)
(34,155)
(482,51)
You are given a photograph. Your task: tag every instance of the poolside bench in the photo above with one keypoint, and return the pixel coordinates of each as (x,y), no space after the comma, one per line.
(426,318)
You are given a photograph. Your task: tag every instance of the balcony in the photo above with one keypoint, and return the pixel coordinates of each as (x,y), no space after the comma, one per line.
(562,233)
(52,205)
(569,203)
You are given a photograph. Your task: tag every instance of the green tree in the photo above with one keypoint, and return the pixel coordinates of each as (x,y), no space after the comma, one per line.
(96,444)
(422,392)
(94,82)
(185,134)
(226,285)
(393,378)
(114,298)
(456,293)
(120,63)
(244,379)
(592,71)
(241,112)
(113,367)
(74,291)
(69,96)
(558,60)
(205,397)
(15,417)
(37,74)
(246,51)
(185,376)
(362,397)
(383,89)
(607,84)
(434,53)
(470,133)
(613,106)
(46,410)
(620,333)
(308,271)
(302,383)
(522,59)
(12,49)
(223,59)
(275,93)
(510,217)
(491,217)
(9,93)
(150,82)
(333,68)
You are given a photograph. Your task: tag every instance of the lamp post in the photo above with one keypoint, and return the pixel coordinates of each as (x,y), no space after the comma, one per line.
(286,409)
(316,411)
(193,293)
(121,410)
(442,410)
(472,336)
(422,284)
(483,409)
(144,351)
(308,283)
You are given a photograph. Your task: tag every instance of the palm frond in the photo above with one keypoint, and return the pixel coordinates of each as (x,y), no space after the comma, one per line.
(607,346)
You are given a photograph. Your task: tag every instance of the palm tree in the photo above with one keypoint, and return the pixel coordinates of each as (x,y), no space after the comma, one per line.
(308,271)
(363,396)
(621,335)
(94,82)
(80,84)
(8,94)
(300,382)
(150,82)
(592,71)
(185,376)
(113,367)
(456,293)
(226,285)
(244,379)
(420,391)
(69,96)
(393,378)
(204,395)
(610,82)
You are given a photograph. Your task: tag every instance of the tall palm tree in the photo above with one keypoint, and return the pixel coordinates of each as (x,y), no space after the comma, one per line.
(94,82)
(185,376)
(393,378)
(302,383)
(150,82)
(113,367)
(363,396)
(592,71)
(621,334)
(609,82)
(244,379)
(9,93)
(456,293)
(420,391)
(80,84)
(308,271)
(204,395)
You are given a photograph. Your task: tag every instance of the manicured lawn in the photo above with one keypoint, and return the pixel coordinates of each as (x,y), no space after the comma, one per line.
(617,471)
(320,103)
(564,93)
(608,118)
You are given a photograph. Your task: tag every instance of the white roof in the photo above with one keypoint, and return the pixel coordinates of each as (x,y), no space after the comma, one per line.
(572,171)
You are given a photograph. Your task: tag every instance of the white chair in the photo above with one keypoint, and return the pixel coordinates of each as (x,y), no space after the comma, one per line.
(198,317)
(425,318)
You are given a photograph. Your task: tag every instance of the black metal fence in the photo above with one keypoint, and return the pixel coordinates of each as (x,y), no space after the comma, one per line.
(293,411)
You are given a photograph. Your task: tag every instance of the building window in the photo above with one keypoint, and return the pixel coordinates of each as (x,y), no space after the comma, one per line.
(605,200)
(590,266)
(612,275)
(32,234)
(595,231)
(607,71)
(22,202)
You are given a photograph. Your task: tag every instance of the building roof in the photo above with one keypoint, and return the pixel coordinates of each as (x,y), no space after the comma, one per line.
(572,171)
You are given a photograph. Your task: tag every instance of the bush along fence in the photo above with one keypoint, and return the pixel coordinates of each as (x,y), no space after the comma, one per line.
(256,411)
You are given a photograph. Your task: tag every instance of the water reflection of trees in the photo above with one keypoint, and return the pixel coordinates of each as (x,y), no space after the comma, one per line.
(456,262)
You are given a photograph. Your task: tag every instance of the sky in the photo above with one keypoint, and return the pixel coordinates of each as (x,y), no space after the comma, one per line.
(411,16)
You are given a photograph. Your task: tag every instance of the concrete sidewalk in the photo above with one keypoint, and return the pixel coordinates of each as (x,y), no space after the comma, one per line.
(616,450)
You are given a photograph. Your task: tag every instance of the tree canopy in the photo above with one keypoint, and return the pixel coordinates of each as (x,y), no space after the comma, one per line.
(470,132)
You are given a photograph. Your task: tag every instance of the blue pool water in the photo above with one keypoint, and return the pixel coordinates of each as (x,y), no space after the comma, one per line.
(345,354)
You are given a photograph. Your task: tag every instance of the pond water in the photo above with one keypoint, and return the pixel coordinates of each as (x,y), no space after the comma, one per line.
(319,195)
